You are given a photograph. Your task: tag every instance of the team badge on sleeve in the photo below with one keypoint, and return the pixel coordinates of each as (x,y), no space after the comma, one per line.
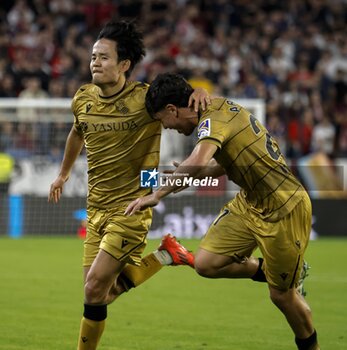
(204,128)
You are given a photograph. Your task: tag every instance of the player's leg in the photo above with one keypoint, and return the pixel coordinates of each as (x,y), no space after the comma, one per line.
(98,281)
(298,315)
(225,251)
(211,265)
(123,241)
(92,325)
(283,250)
(108,277)
(126,242)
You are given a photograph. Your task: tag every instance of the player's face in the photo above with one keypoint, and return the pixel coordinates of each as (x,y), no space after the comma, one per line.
(180,119)
(104,65)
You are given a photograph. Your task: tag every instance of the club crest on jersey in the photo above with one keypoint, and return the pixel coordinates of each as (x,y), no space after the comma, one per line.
(204,128)
(121,107)
(84,126)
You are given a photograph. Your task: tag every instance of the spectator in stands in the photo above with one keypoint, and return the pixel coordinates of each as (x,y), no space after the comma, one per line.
(7,86)
(270,81)
(280,64)
(24,140)
(276,126)
(323,137)
(63,65)
(33,90)
(302,74)
(299,134)
(341,129)
(340,87)
(20,15)
(317,105)
(293,97)
(7,133)
(56,88)
(306,131)
(294,138)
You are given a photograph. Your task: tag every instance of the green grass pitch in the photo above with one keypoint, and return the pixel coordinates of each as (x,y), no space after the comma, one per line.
(41,298)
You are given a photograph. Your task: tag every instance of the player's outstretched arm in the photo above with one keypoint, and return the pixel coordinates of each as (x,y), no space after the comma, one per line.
(191,167)
(73,147)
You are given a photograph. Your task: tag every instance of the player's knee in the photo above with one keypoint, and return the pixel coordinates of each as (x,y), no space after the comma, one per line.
(281,298)
(203,268)
(94,292)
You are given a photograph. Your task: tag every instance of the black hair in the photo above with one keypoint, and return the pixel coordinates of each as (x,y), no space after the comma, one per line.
(167,88)
(129,41)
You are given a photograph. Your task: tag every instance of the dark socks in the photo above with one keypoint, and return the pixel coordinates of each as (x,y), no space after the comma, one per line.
(95,312)
(306,344)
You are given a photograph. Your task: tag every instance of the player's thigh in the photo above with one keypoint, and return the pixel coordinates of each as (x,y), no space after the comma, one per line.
(104,270)
(229,235)
(101,277)
(283,245)
(204,258)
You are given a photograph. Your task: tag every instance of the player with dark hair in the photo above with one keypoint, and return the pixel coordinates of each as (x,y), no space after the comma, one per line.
(121,139)
(129,43)
(272,211)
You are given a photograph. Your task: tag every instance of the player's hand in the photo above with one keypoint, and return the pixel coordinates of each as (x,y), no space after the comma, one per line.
(56,189)
(141,204)
(199,97)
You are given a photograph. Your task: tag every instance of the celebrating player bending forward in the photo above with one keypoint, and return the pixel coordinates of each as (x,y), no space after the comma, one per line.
(121,139)
(272,211)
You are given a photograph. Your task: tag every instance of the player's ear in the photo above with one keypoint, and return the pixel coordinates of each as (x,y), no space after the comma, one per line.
(172,109)
(125,65)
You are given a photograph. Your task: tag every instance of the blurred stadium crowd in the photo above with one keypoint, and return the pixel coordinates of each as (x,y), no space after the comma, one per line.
(292,54)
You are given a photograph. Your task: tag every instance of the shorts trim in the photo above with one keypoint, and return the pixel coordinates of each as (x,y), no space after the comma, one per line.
(296,270)
(134,248)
